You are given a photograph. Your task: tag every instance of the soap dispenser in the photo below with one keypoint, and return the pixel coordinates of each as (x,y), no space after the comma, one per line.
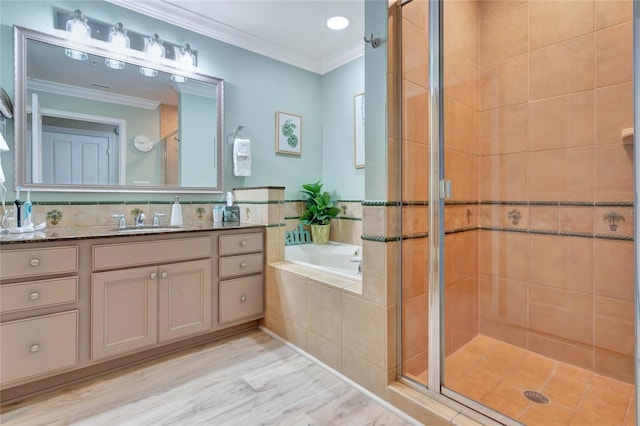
(176,213)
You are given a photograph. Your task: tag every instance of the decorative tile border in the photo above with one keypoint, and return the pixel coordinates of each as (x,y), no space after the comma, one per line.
(378,239)
(380,203)
(259,202)
(558,234)
(465,229)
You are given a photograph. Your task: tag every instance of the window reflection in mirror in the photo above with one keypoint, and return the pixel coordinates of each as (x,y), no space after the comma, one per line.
(88,125)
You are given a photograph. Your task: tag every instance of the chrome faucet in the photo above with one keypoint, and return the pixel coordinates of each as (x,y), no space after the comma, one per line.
(358,260)
(156,218)
(140,220)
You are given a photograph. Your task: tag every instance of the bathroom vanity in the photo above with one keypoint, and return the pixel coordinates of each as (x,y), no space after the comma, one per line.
(78,303)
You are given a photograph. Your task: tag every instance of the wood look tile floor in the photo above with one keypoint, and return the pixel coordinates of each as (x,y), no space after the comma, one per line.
(249,379)
(497,373)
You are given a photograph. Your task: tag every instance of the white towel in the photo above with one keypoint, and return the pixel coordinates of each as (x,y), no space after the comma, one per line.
(3,147)
(242,157)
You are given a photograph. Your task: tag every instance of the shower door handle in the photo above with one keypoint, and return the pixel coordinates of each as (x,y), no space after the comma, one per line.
(445,189)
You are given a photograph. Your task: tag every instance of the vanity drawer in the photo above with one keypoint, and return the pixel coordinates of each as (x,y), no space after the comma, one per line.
(240,243)
(38,294)
(38,345)
(146,253)
(240,265)
(240,299)
(34,262)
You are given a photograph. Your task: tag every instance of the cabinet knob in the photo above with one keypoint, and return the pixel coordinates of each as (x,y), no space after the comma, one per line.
(153,275)
(243,265)
(34,348)
(34,262)
(164,275)
(243,298)
(34,296)
(243,243)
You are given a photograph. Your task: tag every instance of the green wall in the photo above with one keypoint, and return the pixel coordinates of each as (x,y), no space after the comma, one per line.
(339,175)
(140,166)
(255,88)
(197,141)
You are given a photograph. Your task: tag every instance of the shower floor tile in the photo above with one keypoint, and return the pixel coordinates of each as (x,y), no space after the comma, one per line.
(497,373)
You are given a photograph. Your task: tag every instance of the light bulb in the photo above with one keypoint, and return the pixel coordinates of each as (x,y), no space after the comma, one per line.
(78,32)
(148,72)
(337,23)
(186,58)
(153,48)
(118,43)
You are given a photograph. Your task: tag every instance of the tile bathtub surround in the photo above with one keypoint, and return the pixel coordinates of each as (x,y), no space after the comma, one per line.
(326,316)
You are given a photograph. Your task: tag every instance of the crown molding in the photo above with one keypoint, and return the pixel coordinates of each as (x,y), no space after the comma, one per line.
(194,87)
(217,30)
(342,57)
(175,15)
(91,94)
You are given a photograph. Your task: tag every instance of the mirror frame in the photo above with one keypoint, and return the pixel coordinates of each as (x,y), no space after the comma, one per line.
(97,47)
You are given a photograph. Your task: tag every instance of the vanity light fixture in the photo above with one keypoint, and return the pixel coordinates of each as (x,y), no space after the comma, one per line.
(337,23)
(78,32)
(187,61)
(155,51)
(82,31)
(118,43)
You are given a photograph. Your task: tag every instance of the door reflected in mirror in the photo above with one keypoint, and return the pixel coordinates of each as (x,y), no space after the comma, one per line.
(88,126)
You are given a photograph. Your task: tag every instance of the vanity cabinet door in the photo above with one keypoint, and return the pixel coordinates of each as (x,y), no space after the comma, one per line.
(184,299)
(124,308)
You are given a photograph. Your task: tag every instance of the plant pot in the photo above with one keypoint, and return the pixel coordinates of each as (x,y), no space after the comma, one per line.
(320,233)
(613,227)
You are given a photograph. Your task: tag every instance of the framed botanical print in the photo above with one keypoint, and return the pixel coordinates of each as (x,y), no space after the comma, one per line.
(358,130)
(288,133)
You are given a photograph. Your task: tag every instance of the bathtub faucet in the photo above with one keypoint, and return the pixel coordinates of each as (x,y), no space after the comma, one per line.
(358,260)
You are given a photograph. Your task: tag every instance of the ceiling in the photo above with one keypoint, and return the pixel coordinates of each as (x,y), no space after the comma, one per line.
(291,31)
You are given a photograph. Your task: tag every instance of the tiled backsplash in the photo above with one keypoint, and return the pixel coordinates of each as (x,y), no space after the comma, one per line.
(90,215)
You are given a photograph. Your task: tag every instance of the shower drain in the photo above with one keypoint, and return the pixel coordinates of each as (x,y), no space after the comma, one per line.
(536,397)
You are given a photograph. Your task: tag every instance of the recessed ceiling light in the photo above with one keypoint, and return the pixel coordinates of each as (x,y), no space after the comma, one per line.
(337,23)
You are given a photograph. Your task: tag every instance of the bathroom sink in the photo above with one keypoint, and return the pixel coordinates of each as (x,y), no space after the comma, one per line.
(146,228)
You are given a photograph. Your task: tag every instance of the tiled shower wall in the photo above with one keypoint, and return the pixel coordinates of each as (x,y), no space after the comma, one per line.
(535,97)
(555,92)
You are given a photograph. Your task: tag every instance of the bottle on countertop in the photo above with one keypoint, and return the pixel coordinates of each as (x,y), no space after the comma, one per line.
(176,213)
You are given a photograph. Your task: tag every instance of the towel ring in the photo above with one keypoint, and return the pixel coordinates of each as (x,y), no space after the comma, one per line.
(242,132)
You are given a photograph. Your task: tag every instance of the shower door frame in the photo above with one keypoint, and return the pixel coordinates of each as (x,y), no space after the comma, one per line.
(636,208)
(437,196)
(435,353)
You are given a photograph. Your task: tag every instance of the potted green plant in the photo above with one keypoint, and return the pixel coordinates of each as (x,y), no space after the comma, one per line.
(318,212)
(136,212)
(54,216)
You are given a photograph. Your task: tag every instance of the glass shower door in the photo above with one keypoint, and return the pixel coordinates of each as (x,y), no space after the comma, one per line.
(538,271)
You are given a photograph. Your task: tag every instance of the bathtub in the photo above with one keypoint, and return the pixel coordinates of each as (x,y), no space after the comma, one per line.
(333,257)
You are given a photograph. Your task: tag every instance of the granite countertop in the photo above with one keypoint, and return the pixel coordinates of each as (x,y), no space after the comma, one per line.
(62,234)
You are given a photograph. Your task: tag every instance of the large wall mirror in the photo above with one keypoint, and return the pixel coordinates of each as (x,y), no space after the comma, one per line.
(85,126)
